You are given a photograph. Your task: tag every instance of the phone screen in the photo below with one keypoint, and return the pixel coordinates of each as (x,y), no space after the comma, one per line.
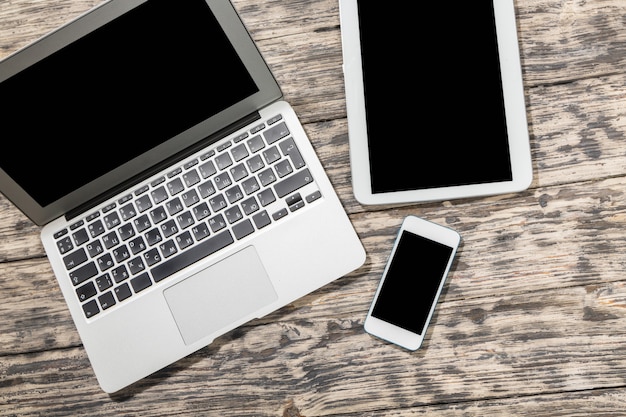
(412,282)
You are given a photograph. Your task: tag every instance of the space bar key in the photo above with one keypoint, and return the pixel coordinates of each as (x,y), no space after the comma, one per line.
(192,255)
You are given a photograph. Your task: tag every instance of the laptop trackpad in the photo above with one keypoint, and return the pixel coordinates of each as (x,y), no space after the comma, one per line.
(220,295)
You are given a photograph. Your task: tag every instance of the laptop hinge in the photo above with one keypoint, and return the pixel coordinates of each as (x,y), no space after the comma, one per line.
(162,165)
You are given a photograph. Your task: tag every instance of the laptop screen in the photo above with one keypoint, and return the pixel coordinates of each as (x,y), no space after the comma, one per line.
(115,93)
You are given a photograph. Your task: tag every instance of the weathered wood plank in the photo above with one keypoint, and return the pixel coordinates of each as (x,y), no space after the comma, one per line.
(496,347)
(563,41)
(499,256)
(576,404)
(529,321)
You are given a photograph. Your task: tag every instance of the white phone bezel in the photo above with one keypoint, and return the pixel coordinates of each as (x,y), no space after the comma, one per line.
(393,333)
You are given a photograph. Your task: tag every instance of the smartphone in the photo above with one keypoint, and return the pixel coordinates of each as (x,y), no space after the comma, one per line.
(412,281)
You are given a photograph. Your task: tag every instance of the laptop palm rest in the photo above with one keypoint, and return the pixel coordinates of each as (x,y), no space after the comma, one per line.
(220,295)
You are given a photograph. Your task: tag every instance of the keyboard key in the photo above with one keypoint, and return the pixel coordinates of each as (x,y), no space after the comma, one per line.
(143,203)
(222,181)
(239,172)
(96,228)
(106,300)
(121,253)
(194,254)
(217,203)
(75,258)
(223,161)
(142,223)
(283,168)
(86,291)
(201,211)
(267,177)
(243,229)
(266,197)
(257,128)
(105,262)
(296,206)
(184,240)
(122,292)
(91,309)
(137,245)
(217,223)
(119,274)
(233,214)
(289,148)
(249,205)
(83,273)
(201,231)
(136,265)
(175,186)
(233,194)
(274,119)
(224,146)
(293,183)
(110,240)
(159,195)
(174,172)
(240,137)
(112,220)
(104,282)
(207,169)
(271,155)
(191,178)
(280,214)
(158,215)
(250,186)
(276,133)
(185,220)
(190,198)
(141,282)
(152,257)
(255,163)
(313,196)
(142,190)
(239,152)
(65,245)
(128,211)
(153,236)
(206,189)
(168,248)
(261,219)
(169,228)
(95,248)
(174,206)
(126,231)
(80,236)
(256,143)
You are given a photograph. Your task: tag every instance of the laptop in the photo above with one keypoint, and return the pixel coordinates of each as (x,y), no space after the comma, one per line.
(178,192)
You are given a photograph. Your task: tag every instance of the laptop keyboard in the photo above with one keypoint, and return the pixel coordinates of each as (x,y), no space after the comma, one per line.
(202,206)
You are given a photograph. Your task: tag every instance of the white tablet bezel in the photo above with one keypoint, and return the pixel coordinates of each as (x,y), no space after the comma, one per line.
(515,109)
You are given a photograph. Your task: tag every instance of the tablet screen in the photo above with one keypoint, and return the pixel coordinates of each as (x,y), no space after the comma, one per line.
(435,101)
(434,104)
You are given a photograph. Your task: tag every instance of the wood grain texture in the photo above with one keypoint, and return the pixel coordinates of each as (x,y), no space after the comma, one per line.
(531,319)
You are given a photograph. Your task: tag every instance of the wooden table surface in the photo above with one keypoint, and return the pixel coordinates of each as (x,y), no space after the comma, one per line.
(533,317)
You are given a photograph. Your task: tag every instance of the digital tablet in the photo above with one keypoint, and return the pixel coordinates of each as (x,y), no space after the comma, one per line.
(435,100)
